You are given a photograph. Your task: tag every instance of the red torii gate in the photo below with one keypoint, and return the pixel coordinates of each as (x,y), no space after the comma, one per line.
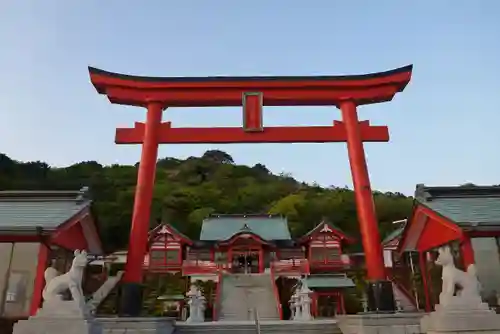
(345,92)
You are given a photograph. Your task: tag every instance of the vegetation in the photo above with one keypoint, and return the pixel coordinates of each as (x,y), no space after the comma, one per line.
(186,191)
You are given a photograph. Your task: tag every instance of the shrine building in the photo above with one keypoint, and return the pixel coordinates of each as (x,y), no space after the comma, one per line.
(246,247)
(40,229)
(465,217)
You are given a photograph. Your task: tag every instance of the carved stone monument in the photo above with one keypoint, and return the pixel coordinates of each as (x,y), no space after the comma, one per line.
(459,311)
(305,301)
(196,305)
(58,315)
(293,305)
(300,303)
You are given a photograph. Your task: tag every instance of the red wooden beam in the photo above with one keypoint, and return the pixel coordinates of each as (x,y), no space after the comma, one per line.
(228,91)
(252,112)
(227,135)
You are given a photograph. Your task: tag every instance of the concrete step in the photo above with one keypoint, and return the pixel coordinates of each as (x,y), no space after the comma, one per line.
(242,293)
(267,327)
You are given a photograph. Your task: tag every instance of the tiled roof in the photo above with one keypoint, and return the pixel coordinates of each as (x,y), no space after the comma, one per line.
(467,206)
(28,210)
(223,227)
(329,281)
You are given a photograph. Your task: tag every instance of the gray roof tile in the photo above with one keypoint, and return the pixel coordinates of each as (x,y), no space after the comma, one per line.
(465,205)
(23,210)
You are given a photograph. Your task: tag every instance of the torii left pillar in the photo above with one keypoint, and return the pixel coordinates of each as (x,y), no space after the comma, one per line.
(132,287)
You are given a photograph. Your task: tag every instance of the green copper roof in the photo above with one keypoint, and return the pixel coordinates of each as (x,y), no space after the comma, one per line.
(467,206)
(223,227)
(393,235)
(27,210)
(329,281)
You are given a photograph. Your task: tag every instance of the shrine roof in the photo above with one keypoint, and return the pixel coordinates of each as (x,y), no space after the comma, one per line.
(335,229)
(329,281)
(467,206)
(27,211)
(393,235)
(223,227)
(158,229)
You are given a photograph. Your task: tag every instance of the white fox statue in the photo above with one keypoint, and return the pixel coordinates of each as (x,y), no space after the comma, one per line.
(56,285)
(451,276)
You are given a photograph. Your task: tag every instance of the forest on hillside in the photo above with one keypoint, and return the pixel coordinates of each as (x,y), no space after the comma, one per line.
(186,191)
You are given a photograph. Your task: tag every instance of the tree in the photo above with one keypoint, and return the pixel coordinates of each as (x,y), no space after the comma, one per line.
(218,157)
(186,191)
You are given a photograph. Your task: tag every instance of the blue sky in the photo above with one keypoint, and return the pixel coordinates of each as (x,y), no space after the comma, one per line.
(443,127)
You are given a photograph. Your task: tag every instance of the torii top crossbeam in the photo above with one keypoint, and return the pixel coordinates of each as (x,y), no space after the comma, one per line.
(228,91)
(252,93)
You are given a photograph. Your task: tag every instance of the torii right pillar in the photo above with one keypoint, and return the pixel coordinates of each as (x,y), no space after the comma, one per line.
(380,292)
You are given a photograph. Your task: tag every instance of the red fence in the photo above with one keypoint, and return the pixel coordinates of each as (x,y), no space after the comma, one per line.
(276,294)
(292,266)
(199,267)
(217,302)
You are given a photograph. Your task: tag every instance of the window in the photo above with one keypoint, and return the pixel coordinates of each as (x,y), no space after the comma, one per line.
(332,254)
(157,255)
(173,255)
(161,256)
(324,254)
(317,254)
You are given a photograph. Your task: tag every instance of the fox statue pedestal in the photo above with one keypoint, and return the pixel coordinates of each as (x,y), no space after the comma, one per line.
(461,316)
(58,316)
(462,311)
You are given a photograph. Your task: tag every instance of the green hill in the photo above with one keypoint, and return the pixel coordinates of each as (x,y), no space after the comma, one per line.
(188,190)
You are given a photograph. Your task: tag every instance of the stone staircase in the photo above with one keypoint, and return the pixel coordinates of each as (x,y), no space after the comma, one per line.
(104,290)
(109,306)
(241,294)
(266,327)
(404,302)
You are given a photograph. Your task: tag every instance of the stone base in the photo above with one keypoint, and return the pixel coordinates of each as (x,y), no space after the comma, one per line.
(380,296)
(131,299)
(132,325)
(367,323)
(59,317)
(459,316)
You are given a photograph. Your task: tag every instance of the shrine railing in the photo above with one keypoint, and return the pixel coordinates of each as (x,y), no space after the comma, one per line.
(276,293)
(161,267)
(217,301)
(329,264)
(296,266)
(200,267)
(401,275)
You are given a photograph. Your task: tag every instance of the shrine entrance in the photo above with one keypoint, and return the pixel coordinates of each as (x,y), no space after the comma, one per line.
(327,304)
(246,261)
(345,92)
